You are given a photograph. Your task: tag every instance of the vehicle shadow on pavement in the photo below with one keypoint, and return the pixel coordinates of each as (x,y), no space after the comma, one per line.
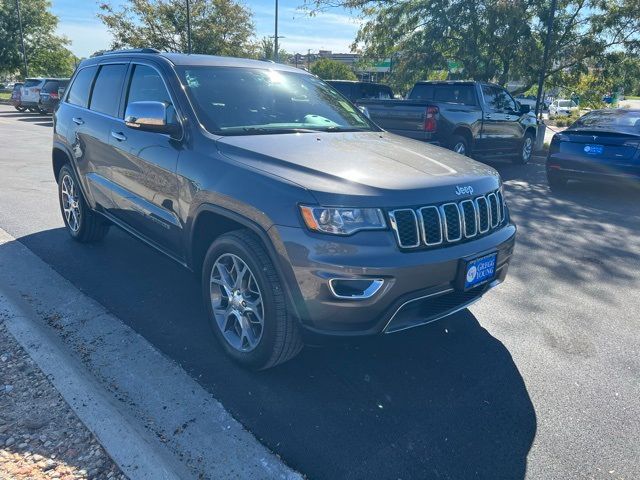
(441,401)
(584,236)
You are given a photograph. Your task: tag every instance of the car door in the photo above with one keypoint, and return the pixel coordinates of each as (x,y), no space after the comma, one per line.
(86,135)
(144,170)
(500,120)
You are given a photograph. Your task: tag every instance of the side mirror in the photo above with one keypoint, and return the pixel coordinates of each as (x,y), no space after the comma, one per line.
(151,117)
(524,109)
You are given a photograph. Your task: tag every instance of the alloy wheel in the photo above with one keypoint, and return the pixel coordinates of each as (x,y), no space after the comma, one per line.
(70,203)
(527,149)
(460,148)
(237,302)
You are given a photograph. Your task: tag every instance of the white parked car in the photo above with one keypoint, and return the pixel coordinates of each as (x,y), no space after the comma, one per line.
(563,107)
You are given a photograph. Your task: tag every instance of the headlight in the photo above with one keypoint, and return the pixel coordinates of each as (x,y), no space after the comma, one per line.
(342,221)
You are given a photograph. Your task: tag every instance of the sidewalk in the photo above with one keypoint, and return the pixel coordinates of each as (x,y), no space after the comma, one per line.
(40,436)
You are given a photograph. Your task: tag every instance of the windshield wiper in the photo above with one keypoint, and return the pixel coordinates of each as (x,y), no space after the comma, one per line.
(336,128)
(264,130)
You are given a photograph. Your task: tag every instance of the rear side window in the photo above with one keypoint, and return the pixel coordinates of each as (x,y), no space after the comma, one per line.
(421,92)
(459,94)
(106,91)
(81,87)
(147,86)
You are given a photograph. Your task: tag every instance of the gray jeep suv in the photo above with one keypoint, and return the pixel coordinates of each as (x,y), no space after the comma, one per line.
(302,217)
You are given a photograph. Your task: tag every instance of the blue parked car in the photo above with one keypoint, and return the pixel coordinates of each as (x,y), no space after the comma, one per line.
(601,145)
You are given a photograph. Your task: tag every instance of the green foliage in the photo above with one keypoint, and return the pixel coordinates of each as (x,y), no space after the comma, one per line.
(495,40)
(218,27)
(328,69)
(46,52)
(266,51)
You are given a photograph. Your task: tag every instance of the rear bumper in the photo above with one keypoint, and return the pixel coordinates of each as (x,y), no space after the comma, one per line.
(418,287)
(588,169)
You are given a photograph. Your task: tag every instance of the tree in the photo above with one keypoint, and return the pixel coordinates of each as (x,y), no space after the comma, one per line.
(328,69)
(218,27)
(495,40)
(266,51)
(46,52)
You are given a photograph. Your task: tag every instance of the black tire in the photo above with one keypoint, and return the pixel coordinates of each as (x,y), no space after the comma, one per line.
(526,149)
(21,109)
(89,226)
(556,182)
(460,144)
(280,338)
(32,109)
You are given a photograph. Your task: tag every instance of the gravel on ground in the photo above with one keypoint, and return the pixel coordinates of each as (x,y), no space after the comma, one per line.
(40,436)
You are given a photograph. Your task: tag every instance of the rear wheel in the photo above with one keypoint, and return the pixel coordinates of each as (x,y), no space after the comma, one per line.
(83,224)
(459,144)
(245,302)
(21,109)
(526,151)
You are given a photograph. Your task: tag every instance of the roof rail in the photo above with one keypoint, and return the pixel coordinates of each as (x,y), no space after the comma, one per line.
(126,50)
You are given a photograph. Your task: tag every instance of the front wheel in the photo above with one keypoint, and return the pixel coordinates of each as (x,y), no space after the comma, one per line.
(246,304)
(21,109)
(526,152)
(82,223)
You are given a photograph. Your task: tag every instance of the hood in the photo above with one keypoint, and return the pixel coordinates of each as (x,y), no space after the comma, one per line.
(362,168)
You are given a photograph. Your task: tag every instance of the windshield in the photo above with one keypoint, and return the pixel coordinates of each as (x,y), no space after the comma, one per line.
(567,103)
(31,83)
(249,101)
(611,119)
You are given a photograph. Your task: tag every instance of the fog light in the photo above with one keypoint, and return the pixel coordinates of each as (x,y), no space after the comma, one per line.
(355,288)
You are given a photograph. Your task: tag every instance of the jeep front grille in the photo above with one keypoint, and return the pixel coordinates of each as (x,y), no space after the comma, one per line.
(448,223)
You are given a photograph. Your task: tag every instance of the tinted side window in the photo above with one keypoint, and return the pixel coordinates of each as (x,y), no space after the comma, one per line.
(460,94)
(81,87)
(147,86)
(106,91)
(497,98)
(421,92)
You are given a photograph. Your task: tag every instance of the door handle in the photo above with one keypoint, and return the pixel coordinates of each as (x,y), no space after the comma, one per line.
(119,136)
(488,116)
(77,120)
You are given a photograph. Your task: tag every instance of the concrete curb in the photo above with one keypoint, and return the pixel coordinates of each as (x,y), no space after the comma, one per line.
(129,448)
(172,418)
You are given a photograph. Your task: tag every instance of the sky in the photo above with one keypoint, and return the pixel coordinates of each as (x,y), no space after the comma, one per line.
(333,30)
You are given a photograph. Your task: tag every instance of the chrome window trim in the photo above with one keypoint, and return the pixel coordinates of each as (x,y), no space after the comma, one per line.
(444,218)
(497,219)
(394,226)
(423,229)
(464,219)
(477,202)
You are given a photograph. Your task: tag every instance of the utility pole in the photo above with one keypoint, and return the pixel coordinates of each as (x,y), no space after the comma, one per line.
(188,28)
(275,40)
(545,56)
(24,52)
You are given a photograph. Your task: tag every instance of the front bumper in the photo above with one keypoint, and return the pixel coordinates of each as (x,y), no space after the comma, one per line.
(419,286)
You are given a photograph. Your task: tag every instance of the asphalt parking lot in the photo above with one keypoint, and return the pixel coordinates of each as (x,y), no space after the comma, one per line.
(539,380)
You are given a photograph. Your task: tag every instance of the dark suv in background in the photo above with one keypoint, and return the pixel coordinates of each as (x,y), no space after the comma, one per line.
(50,94)
(301,216)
